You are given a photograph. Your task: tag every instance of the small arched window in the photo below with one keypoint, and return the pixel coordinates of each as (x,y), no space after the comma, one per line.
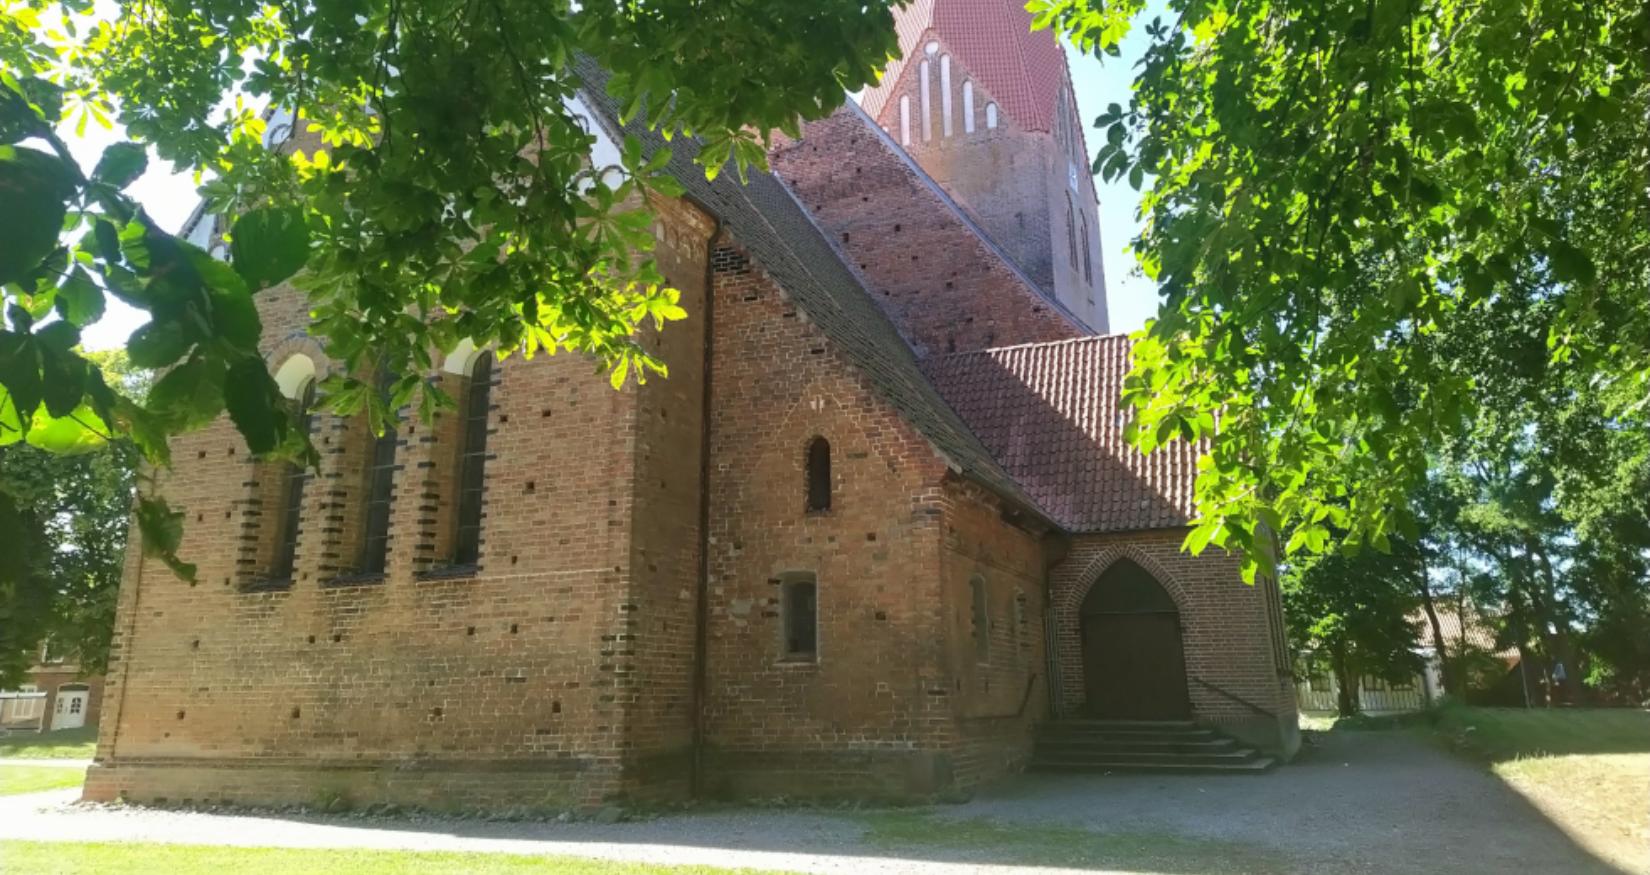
(819,474)
(294,475)
(375,533)
(472,461)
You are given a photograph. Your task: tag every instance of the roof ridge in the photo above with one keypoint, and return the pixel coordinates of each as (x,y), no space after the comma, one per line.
(1116,335)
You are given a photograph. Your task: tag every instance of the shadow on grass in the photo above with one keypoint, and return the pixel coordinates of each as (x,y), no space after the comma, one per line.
(1511,733)
(67,744)
(925,836)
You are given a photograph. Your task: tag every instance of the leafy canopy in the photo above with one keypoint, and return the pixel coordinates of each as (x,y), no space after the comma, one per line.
(1342,194)
(435,184)
(67,518)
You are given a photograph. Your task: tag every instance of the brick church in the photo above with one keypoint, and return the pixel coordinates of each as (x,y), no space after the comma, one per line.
(877,530)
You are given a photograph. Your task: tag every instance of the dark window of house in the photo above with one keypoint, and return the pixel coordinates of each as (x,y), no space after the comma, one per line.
(472,461)
(293,477)
(819,474)
(799,608)
(980,622)
(380,481)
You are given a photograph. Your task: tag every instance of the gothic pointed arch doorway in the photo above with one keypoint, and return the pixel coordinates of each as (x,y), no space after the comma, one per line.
(1134,666)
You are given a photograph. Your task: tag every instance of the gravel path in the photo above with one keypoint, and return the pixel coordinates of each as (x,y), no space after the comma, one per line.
(1359,802)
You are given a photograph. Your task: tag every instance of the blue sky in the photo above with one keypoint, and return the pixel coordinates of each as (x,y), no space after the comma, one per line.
(1130,298)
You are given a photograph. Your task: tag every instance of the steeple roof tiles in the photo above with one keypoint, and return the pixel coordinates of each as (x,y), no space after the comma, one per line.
(992,39)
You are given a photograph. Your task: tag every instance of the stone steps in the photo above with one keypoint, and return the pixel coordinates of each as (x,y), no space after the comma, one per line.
(1163,746)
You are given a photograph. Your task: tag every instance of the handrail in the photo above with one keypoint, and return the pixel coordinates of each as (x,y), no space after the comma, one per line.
(1236,698)
(1025,700)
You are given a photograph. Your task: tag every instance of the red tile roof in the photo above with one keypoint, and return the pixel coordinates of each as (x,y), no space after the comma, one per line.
(1049,413)
(1475,630)
(992,39)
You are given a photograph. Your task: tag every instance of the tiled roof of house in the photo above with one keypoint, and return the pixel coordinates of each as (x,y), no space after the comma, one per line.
(1050,414)
(1474,630)
(779,234)
(1023,71)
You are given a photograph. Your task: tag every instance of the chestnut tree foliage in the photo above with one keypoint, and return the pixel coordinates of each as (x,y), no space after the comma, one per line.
(439,188)
(1364,216)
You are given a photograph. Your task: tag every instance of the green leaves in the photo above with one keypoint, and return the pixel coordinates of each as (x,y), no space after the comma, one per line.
(190,395)
(158,344)
(121,164)
(162,530)
(1372,227)
(255,405)
(36,187)
(269,245)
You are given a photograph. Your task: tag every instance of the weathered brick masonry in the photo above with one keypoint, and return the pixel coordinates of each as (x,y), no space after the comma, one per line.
(660,604)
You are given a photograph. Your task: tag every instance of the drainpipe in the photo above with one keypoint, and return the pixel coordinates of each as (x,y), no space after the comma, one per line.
(701,605)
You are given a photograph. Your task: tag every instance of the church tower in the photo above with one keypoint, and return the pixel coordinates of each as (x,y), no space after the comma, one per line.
(986,108)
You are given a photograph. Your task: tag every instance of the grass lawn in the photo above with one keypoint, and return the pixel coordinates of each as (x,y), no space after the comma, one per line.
(1587,770)
(54,858)
(33,779)
(64,744)
(985,841)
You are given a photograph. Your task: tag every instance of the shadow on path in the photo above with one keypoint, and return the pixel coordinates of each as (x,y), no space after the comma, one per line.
(1358,802)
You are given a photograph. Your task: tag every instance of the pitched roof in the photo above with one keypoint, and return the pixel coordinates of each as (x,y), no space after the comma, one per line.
(1050,414)
(779,234)
(1473,629)
(992,39)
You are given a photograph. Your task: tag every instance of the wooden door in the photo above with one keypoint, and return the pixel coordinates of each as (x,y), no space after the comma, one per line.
(1134,667)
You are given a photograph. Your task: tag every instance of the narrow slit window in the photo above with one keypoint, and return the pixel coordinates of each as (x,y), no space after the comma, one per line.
(294,475)
(799,596)
(472,462)
(979,621)
(1071,234)
(1088,266)
(819,475)
(380,485)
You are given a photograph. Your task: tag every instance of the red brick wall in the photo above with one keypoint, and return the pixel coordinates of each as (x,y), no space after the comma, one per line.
(997,700)
(865,716)
(664,529)
(1012,181)
(944,289)
(515,684)
(1231,631)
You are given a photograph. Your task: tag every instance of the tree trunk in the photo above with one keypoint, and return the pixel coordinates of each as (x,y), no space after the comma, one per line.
(1554,629)
(1346,695)
(1446,670)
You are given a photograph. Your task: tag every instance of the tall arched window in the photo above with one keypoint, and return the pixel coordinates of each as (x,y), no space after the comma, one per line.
(375,532)
(819,474)
(291,508)
(1071,233)
(472,462)
(1088,265)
